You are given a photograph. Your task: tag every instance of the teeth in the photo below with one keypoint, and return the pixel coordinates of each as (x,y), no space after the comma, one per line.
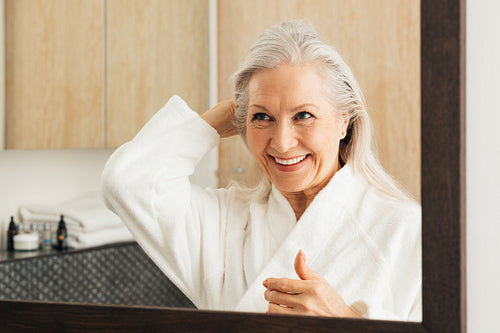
(290,161)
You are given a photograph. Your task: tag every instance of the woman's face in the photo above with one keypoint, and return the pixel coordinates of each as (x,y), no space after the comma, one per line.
(292,129)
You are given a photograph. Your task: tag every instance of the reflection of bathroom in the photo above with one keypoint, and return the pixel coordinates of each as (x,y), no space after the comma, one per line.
(82,78)
(82,88)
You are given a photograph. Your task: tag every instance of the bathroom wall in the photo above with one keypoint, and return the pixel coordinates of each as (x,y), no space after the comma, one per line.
(483,165)
(52,176)
(46,177)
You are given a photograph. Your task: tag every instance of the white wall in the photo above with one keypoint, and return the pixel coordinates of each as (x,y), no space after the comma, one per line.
(52,176)
(46,177)
(483,165)
(2,73)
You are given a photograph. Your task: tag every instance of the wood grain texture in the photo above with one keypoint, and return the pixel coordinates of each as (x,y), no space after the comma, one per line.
(54,73)
(24,316)
(379,39)
(443,165)
(155,48)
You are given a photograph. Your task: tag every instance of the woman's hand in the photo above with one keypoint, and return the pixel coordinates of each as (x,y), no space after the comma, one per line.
(311,295)
(221,117)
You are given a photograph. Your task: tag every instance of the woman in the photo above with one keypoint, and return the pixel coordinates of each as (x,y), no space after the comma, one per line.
(302,115)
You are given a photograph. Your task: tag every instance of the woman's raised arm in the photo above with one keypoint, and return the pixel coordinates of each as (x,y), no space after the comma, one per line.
(179,225)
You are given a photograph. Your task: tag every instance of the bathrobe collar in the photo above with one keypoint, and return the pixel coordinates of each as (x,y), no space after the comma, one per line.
(317,224)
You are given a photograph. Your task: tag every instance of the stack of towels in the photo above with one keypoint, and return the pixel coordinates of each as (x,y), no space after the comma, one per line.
(88,221)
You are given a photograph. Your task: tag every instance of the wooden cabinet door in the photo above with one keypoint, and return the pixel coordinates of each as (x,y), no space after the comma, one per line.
(90,73)
(54,73)
(379,39)
(154,49)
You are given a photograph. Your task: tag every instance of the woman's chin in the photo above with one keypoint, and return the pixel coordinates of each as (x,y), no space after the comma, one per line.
(290,186)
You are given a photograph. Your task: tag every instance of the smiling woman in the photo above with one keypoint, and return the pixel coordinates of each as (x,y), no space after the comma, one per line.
(293,131)
(328,199)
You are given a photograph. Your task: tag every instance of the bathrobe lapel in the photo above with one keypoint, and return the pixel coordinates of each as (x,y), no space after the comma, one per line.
(318,223)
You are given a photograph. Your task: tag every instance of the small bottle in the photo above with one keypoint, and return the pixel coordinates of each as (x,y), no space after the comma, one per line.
(47,237)
(20,228)
(10,234)
(35,232)
(62,235)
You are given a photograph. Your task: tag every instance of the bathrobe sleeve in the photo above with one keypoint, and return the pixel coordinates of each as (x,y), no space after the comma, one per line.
(180,226)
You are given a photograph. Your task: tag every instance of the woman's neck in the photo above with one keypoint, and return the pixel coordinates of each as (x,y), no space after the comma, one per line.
(300,201)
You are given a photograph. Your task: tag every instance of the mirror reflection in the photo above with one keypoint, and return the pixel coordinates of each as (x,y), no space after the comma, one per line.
(302,225)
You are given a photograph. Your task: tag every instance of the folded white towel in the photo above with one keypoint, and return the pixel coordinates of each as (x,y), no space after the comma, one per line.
(101,237)
(86,213)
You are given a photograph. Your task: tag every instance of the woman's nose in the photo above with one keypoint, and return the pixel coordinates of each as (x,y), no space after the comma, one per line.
(283,138)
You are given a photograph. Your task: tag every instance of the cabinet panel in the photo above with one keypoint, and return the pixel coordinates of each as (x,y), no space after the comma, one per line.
(155,48)
(379,39)
(54,73)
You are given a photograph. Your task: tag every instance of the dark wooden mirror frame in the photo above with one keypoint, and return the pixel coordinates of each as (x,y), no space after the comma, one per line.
(443,222)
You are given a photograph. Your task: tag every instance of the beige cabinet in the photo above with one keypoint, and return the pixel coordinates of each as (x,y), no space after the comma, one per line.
(54,73)
(90,73)
(154,48)
(379,39)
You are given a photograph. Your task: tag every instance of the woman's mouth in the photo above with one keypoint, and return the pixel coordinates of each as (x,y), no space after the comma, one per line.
(290,161)
(290,164)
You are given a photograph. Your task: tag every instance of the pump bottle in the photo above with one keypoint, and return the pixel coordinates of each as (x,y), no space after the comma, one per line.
(10,234)
(62,235)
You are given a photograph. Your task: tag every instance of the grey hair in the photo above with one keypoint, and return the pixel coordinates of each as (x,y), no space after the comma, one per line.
(297,43)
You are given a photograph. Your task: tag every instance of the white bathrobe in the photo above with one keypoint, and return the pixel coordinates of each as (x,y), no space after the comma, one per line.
(218,248)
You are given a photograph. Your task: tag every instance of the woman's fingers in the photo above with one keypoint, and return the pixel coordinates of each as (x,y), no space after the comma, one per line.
(311,295)
(278,297)
(306,297)
(304,272)
(288,292)
(286,285)
(221,118)
(275,308)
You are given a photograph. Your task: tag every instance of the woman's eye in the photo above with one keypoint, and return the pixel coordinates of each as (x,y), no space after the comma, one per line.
(304,115)
(260,116)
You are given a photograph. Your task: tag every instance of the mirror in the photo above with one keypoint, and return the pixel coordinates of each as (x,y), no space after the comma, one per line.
(442,200)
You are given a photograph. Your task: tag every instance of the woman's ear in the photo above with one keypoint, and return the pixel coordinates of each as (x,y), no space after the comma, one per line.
(343,129)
